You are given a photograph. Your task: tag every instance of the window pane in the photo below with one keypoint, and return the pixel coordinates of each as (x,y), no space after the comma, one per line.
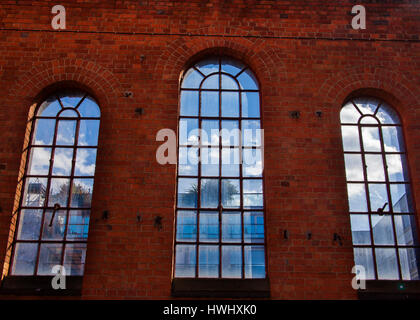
(396,167)
(81,194)
(250,105)
(387,115)
(210,132)
(367,105)
(192,79)
(85,162)
(70,99)
(78,226)
(209,193)
(29,224)
(229,83)
(409,261)
(231,227)
(393,139)
(378,197)
(371,140)
(208,66)
(386,264)
(209,162)
(24,259)
(186,226)
(230,104)
(252,194)
(230,162)
(357,197)
(406,229)
(354,167)
(211,82)
(254,227)
(189,103)
(49,256)
(88,133)
(35,192)
(39,163)
(247,80)
(188,132)
(231,262)
(401,198)
(188,161)
(49,108)
(187,193)
(230,133)
(350,136)
(231,66)
(360,229)
(185,259)
(254,262)
(251,133)
(58,225)
(44,132)
(363,257)
(349,114)
(62,162)
(74,259)
(231,193)
(252,165)
(89,108)
(383,233)
(374,167)
(59,192)
(66,132)
(209,226)
(208,265)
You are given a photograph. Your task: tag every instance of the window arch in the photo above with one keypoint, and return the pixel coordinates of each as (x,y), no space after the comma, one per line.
(57,185)
(220,203)
(382,212)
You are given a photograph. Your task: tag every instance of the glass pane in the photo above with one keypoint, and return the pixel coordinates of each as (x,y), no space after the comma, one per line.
(371,140)
(85,162)
(231,195)
(357,197)
(35,192)
(383,233)
(230,133)
(187,193)
(208,66)
(250,105)
(89,108)
(188,131)
(254,227)
(211,82)
(59,192)
(54,227)
(387,115)
(396,167)
(252,194)
(49,108)
(409,261)
(88,133)
(81,194)
(62,161)
(363,257)
(210,132)
(360,229)
(39,163)
(44,132)
(406,228)
(393,139)
(231,262)
(231,227)
(209,104)
(71,99)
(251,133)
(188,161)
(69,113)
(401,198)
(231,66)
(29,224)
(209,193)
(192,79)
(208,265)
(24,259)
(189,103)
(209,226)
(354,167)
(230,162)
(349,114)
(78,226)
(254,262)
(185,259)
(247,80)
(252,165)
(368,120)
(49,256)
(350,136)
(378,197)
(374,167)
(66,132)
(74,259)
(387,264)
(186,226)
(229,83)
(230,104)
(366,105)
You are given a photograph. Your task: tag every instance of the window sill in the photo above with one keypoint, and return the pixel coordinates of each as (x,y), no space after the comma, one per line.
(39,286)
(221,288)
(390,290)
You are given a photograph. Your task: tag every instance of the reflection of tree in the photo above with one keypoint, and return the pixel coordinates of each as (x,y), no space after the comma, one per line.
(209,193)
(80,197)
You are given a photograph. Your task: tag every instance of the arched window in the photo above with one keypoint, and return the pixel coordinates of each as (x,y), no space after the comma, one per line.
(382,212)
(220,203)
(55,203)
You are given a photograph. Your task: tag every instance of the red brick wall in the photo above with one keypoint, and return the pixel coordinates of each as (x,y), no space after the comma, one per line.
(304,60)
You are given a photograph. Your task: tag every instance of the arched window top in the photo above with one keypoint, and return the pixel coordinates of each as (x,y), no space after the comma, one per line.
(220,73)
(69,104)
(368,110)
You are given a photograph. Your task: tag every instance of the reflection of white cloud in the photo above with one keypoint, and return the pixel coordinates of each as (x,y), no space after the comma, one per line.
(83,165)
